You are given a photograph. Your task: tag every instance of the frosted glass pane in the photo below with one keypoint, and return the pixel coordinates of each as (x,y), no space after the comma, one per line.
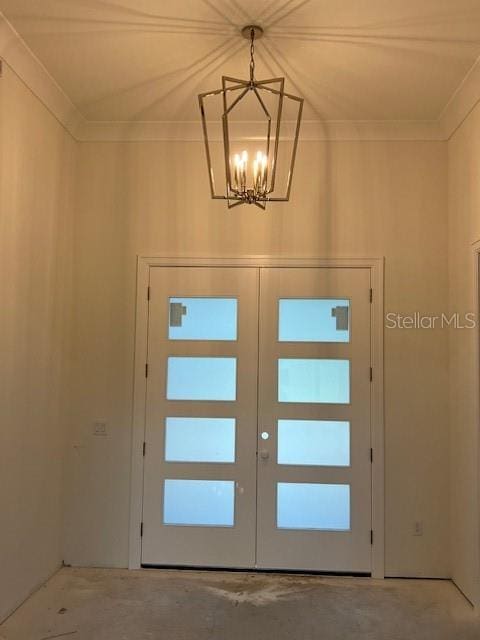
(314,442)
(313,506)
(311,380)
(201,378)
(205,503)
(313,320)
(202,319)
(200,440)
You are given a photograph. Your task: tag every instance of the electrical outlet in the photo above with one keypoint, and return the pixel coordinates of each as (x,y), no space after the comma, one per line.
(418,528)
(99,428)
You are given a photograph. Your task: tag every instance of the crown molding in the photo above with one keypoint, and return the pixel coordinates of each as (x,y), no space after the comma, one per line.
(90,131)
(23,63)
(462,102)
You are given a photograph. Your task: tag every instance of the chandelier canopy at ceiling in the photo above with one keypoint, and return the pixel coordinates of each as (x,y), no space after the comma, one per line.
(257,164)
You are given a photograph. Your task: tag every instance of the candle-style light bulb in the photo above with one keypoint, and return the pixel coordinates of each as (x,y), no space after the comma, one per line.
(255,175)
(236,171)
(264,173)
(258,173)
(243,171)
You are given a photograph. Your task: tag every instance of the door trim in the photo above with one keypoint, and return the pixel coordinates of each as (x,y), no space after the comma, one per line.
(476,408)
(376,267)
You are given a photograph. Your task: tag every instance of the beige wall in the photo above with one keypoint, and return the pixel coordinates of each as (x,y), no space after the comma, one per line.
(464,229)
(350,199)
(36,179)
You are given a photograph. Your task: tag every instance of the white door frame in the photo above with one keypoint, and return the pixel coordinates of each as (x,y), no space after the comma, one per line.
(376,266)
(476,280)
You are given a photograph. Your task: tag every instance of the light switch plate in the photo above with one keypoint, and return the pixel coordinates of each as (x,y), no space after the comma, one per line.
(418,528)
(100,429)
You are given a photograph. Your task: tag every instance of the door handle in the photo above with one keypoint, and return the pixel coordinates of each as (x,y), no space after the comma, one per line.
(264,454)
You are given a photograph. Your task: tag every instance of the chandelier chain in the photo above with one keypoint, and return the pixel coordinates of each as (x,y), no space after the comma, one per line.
(252,53)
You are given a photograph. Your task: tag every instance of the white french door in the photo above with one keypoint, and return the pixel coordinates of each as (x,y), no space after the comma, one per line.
(258,419)
(314,471)
(201,417)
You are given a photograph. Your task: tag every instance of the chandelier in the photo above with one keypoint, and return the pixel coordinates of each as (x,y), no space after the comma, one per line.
(255,163)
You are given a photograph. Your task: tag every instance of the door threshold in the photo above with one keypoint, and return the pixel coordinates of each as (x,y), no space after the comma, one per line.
(181,567)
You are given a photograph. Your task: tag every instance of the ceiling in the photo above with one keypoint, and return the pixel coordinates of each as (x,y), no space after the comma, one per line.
(145,60)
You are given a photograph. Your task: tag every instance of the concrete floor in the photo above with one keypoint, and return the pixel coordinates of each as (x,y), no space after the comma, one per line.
(106,604)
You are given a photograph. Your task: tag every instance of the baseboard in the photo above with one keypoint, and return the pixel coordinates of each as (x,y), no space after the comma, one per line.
(402,574)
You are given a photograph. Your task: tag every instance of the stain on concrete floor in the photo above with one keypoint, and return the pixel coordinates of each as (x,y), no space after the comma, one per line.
(259,592)
(106,604)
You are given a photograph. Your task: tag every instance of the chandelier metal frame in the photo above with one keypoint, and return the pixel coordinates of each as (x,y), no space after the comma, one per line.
(237,194)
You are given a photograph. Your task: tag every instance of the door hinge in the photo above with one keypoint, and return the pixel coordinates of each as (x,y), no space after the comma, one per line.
(371,295)
(141,529)
(146,370)
(148,293)
(371,455)
(371,536)
(371,374)
(144,448)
